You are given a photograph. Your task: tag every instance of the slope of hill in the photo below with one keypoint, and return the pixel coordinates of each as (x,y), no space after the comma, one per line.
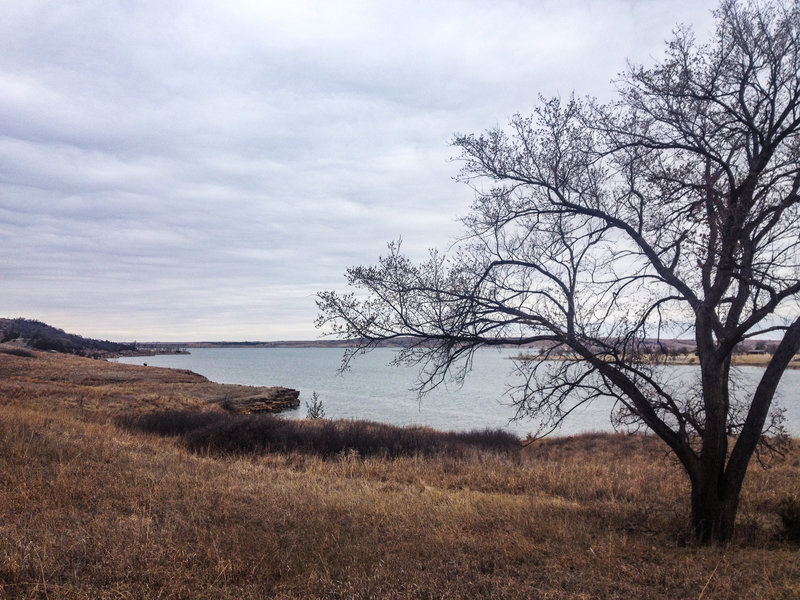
(40,336)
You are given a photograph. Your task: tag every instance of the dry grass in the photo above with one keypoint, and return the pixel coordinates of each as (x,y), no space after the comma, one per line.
(761,360)
(220,433)
(690,358)
(740,360)
(88,510)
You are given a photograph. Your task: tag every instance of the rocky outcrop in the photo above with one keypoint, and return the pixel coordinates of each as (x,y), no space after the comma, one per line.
(111,388)
(249,400)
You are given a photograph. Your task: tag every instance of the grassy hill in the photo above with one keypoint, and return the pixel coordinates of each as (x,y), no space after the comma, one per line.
(40,336)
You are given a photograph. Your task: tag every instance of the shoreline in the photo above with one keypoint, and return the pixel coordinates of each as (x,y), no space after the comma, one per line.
(110,387)
(748,359)
(737,360)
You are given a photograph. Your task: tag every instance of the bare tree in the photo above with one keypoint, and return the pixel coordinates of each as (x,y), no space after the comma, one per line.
(598,229)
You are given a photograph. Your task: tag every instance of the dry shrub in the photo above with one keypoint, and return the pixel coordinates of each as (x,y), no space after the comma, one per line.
(17,352)
(170,422)
(789,512)
(222,433)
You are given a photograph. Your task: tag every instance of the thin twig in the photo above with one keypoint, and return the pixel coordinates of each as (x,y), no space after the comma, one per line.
(710,577)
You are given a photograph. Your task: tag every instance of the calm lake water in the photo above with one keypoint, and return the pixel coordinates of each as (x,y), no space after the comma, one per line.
(375,391)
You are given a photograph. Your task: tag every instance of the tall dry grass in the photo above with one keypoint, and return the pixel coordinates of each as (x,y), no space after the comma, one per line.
(90,510)
(223,433)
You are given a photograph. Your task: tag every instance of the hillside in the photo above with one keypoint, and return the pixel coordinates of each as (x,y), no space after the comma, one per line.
(40,336)
(90,509)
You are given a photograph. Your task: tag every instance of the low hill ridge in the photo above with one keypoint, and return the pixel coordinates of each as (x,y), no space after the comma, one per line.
(41,336)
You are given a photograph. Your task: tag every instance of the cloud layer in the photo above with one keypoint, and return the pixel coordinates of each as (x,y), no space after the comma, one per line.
(198,170)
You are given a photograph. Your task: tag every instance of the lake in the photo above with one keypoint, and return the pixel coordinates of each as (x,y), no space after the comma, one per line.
(375,391)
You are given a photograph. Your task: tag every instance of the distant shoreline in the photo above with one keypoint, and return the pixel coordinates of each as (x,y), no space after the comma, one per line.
(745,359)
(738,360)
(169,346)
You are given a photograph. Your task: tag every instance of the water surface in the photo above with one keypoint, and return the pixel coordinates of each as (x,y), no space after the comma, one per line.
(375,391)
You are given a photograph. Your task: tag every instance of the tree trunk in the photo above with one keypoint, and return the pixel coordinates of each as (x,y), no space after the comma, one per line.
(714,505)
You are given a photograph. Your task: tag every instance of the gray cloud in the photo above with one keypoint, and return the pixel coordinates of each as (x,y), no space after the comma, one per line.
(197,170)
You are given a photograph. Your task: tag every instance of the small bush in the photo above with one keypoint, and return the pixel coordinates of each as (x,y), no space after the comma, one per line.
(789,512)
(315,410)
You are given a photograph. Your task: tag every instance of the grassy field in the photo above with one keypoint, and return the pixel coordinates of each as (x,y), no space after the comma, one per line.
(89,509)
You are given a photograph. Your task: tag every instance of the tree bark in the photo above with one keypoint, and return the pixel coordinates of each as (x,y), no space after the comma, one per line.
(714,505)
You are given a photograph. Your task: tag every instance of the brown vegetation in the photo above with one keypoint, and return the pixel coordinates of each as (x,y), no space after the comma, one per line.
(35,334)
(105,388)
(750,359)
(91,510)
(753,359)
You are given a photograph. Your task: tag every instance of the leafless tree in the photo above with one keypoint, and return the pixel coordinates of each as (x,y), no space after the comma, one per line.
(597,229)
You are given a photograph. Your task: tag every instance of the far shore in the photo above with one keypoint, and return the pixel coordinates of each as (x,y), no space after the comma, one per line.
(743,359)
(740,360)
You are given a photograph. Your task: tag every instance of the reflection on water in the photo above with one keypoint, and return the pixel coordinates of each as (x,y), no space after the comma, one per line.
(374,391)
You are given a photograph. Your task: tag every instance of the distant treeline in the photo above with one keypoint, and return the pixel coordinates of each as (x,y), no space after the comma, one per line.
(393,343)
(41,336)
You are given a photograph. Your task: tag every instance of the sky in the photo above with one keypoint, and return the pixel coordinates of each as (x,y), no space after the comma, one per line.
(197,170)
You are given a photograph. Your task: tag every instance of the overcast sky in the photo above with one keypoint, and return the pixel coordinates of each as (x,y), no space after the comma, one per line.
(185,171)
